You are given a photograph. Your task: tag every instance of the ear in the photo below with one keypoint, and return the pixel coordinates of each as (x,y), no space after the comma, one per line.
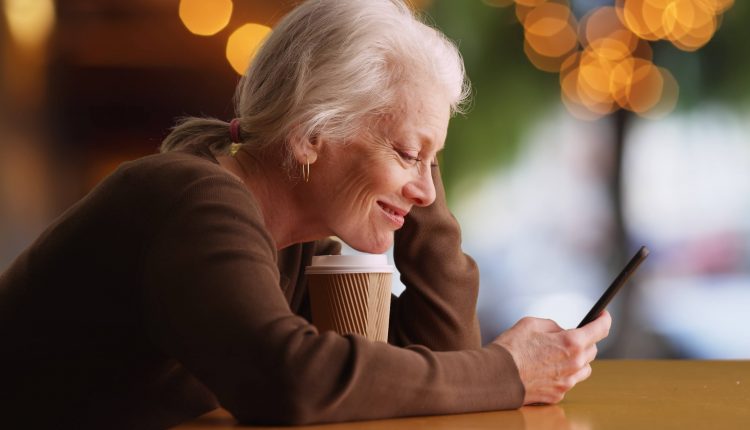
(306,150)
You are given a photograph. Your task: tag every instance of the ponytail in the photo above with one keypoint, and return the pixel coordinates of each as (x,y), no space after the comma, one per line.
(198,131)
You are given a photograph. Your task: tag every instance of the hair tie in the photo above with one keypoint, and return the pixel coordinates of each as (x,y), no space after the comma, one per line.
(234,130)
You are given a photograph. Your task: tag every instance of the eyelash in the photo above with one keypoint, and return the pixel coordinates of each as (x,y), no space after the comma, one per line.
(408,157)
(414,160)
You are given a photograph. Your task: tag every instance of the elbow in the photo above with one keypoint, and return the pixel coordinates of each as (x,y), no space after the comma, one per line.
(292,403)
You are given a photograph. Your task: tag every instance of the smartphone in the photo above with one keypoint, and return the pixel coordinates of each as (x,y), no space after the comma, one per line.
(619,281)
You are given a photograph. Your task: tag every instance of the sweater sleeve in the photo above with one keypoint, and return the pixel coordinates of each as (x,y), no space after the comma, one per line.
(438,307)
(213,302)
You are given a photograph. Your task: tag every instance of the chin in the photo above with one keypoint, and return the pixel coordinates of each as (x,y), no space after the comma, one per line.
(372,246)
(381,249)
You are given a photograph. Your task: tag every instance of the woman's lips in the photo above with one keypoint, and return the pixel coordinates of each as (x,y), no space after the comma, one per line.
(393,214)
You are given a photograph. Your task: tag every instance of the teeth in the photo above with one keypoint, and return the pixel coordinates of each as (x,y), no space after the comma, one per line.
(388,210)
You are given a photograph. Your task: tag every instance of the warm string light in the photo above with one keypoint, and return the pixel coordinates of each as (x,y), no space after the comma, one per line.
(243,43)
(205,18)
(30,22)
(209,17)
(688,24)
(605,60)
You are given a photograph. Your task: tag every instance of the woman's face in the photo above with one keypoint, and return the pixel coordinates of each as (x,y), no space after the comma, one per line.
(367,186)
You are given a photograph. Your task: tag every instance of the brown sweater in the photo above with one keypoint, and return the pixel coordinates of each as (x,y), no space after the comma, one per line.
(160,296)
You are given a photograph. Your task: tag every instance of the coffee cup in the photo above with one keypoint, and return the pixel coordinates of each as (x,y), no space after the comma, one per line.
(351,294)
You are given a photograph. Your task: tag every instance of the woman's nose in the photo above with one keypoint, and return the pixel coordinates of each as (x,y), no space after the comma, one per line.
(421,190)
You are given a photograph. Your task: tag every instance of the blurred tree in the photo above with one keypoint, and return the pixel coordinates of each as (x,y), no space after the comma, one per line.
(719,71)
(509,94)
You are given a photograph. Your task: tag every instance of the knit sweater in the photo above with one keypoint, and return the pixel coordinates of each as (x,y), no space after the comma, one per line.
(161,295)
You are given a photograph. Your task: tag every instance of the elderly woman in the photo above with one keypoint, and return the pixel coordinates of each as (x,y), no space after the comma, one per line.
(177,284)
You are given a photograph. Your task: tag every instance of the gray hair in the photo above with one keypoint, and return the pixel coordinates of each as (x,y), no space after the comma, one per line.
(328,69)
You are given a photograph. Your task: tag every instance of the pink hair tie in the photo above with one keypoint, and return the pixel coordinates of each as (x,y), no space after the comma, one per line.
(234,130)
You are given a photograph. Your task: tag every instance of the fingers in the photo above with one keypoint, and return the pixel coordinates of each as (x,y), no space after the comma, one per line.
(552,360)
(590,353)
(578,353)
(581,375)
(598,329)
(571,349)
(577,357)
(565,384)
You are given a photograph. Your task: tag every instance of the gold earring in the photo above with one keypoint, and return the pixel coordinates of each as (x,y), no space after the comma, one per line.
(306,170)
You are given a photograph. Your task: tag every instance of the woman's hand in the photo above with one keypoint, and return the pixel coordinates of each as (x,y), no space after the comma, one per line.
(551,360)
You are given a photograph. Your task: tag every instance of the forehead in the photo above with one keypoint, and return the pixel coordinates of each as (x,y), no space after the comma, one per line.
(421,117)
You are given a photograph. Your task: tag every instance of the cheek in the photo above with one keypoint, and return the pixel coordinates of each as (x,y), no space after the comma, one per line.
(355,191)
(364,183)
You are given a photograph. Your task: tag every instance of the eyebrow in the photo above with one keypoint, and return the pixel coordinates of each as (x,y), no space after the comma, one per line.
(426,141)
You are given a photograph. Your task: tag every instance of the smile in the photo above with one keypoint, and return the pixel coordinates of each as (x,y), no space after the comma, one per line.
(393,214)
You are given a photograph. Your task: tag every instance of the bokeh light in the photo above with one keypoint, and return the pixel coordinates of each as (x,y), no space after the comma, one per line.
(522,11)
(605,60)
(550,30)
(530,3)
(205,17)
(643,86)
(542,62)
(720,6)
(669,94)
(30,21)
(244,43)
(688,24)
(604,25)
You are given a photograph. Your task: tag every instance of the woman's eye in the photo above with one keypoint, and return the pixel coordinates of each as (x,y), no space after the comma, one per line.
(408,157)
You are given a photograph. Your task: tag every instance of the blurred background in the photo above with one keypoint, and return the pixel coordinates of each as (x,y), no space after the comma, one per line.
(596,127)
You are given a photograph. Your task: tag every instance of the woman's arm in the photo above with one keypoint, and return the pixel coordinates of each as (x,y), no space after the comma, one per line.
(438,307)
(213,302)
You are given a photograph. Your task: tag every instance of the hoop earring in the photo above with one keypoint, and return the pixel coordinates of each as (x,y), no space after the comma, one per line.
(306,170)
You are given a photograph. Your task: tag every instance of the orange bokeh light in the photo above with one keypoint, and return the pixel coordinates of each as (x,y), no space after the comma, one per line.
(605,60)
(652,12)
(550,30)
(542,62)
(689,24)
(642,89)
(604,24)
(244,43)
(522,11)
(669,94)
(719,6)
(631,15)
(593,77)
(203,17)
(530,3)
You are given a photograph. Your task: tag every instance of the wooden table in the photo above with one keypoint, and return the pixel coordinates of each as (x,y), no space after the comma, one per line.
(620,394)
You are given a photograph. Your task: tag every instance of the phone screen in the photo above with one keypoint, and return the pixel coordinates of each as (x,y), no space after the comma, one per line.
(619,281)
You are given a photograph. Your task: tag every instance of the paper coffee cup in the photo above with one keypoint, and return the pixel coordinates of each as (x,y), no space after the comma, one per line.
(351,294)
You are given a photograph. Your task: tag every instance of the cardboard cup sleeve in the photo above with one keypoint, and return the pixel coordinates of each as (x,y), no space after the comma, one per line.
(350,298)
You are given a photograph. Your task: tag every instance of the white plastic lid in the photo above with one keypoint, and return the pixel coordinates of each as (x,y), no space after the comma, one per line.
(365,263)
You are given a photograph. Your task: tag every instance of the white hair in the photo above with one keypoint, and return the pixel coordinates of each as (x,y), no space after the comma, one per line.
(330,66)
